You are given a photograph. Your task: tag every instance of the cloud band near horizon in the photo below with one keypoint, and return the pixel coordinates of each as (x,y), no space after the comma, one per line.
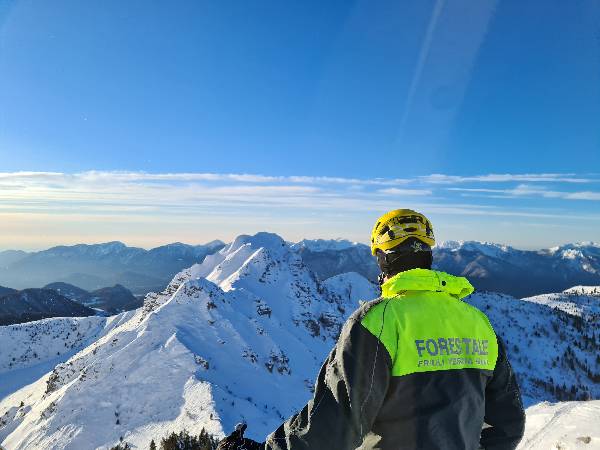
(39,209)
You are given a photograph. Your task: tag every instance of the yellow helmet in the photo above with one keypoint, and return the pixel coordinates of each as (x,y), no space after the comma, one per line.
(395,227)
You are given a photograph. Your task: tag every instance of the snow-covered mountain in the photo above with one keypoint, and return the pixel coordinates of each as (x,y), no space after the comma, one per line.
(321,245)
(327,258)
(241,336)
(582,301)
(491,267)
(33,349)
(95,266)
(502,268)
(553,351)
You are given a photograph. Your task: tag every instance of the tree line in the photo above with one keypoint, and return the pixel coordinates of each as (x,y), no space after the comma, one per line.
(179,441)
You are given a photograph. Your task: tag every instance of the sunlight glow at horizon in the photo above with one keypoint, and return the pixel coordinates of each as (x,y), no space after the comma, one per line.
(40,209)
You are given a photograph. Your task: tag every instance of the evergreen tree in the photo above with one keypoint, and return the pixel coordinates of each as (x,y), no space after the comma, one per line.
(125,446)
(184,441)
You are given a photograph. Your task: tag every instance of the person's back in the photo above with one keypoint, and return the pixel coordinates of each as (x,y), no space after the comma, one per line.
(415,369)
(441,353)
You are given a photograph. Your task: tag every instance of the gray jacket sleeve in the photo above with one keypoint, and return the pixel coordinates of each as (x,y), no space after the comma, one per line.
(503,407)
(349,392)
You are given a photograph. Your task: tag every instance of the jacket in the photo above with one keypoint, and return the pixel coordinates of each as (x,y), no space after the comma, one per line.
(417,368)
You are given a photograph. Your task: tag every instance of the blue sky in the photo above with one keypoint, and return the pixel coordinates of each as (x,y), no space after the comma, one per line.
(139,122)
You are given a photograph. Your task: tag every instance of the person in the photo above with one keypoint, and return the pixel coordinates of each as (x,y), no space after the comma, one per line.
(417,368)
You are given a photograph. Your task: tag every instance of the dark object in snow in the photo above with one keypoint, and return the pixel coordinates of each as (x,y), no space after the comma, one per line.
(237,441)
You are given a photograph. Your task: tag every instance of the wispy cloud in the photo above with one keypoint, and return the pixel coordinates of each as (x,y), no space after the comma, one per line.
(121,204)
(433,179)
(396,191)
(93,176)
(146,191)
(507,177)
(524,190)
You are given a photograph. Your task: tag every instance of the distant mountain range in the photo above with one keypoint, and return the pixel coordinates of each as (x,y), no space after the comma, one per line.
(490,267)
(94,266)
(521,273)
(111,300)
(63,300)
(5,290)
(35,304)
(334,257)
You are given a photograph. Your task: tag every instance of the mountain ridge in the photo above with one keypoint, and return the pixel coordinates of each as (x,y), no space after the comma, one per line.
(251,320)
(94,266)
(490,266)
(256,321)
(35,304)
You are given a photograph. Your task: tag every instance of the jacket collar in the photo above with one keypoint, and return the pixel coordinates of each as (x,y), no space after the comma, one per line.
(426,280)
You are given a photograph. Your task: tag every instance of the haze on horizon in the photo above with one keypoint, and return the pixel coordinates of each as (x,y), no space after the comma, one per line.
(531,211)
(159,123)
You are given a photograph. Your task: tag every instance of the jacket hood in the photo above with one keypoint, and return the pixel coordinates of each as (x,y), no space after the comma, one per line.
(426,280)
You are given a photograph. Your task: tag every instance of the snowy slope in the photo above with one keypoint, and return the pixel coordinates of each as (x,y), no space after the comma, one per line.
(554,353)
(580,300)
(205,353)
(241,336)
(32,349)
(562,426)
(489,266)
(584,290)
(27,344)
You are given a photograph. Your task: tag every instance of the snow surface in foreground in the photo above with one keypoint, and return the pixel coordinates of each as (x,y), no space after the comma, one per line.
(562,426)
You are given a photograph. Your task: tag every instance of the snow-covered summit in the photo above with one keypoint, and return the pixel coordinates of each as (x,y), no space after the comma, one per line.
(584,290)
(485,248)
(575,251)
(233,257)
(574,245)
(321,245)
(91,250)
(209,351)
(582,301)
